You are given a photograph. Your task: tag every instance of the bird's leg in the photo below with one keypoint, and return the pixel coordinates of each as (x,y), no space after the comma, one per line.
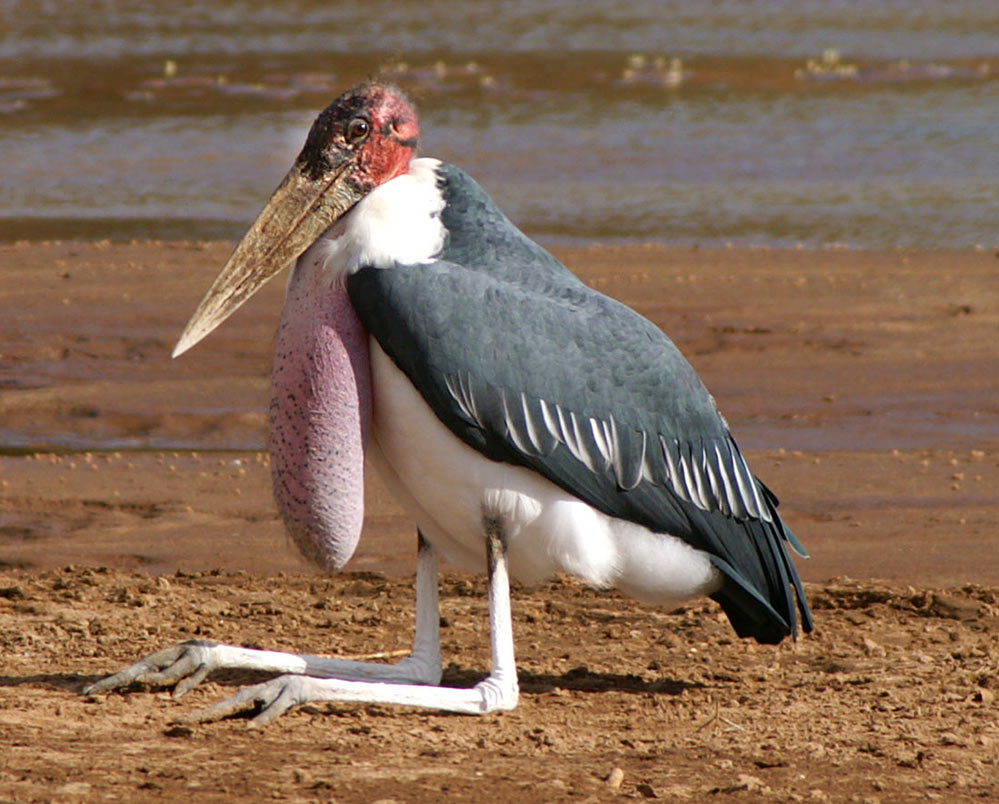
(423,665)
(189,663)
(499,691)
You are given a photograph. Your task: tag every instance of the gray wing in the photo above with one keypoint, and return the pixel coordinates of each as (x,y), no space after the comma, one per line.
(593,396)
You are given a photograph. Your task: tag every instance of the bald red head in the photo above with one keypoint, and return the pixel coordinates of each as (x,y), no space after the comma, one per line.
(371,133)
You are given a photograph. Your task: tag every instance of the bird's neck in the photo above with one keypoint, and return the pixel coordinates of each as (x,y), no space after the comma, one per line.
(320,415)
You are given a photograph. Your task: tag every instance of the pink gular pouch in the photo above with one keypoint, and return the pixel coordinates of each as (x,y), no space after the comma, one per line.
(320,416)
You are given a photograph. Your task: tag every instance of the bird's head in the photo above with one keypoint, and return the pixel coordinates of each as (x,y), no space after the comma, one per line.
(372,128)
(365,138)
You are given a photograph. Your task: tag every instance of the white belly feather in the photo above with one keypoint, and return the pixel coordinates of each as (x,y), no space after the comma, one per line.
(446,486)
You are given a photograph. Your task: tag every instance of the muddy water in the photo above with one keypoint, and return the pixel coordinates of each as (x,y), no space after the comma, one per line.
(777,123)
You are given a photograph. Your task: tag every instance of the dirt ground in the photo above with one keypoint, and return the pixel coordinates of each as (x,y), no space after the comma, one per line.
(892,700)
(135,512)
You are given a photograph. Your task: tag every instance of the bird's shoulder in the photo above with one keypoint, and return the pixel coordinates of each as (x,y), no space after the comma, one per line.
(481,238)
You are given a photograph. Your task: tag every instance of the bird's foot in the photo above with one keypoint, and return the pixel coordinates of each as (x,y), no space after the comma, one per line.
(185,665)
(188,664)
(272,698)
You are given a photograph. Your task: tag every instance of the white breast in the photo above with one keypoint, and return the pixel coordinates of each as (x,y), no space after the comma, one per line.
(397,222)
(446,486)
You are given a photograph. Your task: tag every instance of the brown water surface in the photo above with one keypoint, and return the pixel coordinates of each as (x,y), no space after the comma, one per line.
(763,123)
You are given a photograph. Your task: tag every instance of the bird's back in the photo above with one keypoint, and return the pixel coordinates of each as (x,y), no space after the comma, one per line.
(529,366)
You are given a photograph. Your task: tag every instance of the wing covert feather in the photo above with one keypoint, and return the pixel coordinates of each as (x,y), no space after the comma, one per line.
(557,379)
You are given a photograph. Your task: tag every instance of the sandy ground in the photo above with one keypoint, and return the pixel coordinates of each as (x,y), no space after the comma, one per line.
(863,387)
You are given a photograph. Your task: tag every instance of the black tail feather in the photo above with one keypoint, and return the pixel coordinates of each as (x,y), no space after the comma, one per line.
(763,595)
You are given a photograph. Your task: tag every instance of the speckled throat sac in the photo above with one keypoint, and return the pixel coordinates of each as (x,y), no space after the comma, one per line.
(319,417)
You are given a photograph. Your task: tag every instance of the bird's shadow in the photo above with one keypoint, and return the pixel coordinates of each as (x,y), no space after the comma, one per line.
(578,679)
(67,682)
(78,682)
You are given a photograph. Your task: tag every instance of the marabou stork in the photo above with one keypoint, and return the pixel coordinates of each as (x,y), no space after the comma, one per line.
(526,422)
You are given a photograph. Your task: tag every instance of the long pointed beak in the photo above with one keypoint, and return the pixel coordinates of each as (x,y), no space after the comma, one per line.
(299,211)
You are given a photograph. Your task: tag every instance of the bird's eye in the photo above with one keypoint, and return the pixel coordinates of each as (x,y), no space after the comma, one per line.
(357,130)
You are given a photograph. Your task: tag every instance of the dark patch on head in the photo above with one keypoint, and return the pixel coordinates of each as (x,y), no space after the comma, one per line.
(328,130)
(391,119)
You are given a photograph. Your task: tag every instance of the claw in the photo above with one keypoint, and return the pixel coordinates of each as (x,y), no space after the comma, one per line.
(273,698)
(188,663)
(290,695)
(185,685)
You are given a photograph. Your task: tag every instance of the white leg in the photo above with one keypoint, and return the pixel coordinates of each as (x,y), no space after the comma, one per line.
(423,665)
(189,663)
(497,692)
(501,688)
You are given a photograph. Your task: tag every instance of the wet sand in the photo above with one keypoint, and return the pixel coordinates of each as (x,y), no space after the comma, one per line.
(863,386)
